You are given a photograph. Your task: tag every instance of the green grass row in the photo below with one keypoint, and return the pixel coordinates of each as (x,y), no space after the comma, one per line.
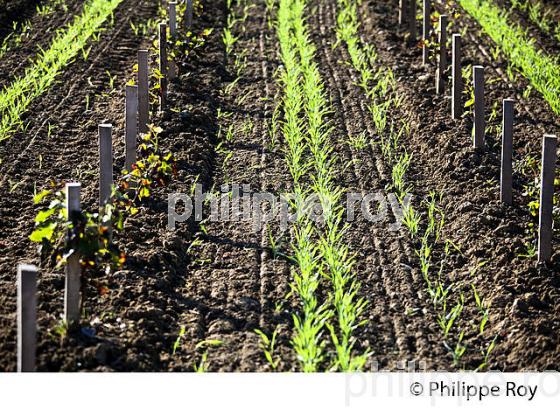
(542,70)
(16,97)
(337,260)
(447,298)
(22,30)
(309,322)
(321,256)
(540,14)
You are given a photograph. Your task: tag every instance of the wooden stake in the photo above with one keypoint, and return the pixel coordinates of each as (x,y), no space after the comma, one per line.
(506,190)
(189,14)
(173,19)
(26,317)
(442,61)
(143,91)
(105,163)
(548,172)
(426,29)
(479,121)
(172,69)
(131,128)
(403,5)
(457,89)
(163,65)
(73,268)
(412,20)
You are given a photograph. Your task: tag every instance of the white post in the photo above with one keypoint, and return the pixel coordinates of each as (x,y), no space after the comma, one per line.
(143,91)
(479,121)
(131,127)
(73,268)
(548,173)
(26,317)
(163,65)
(172,19)
(189,14)
(412,20)
(172,69)
(402,12)
(442,63)
(105,163)
(426,28)
(457,89)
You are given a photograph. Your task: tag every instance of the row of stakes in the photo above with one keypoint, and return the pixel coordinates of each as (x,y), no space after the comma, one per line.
(137,108)
(549,143)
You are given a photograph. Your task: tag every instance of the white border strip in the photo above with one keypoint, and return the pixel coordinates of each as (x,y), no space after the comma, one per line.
(278,391)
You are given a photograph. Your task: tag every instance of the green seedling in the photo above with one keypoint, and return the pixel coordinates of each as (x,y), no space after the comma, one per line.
(229,41)
(398,172)
(486,354)
(267,345)
(85,53)
(458,351)
(275,246)
(410,219)
(359,141)
(177,343)
(530,251)
(203,347)
(59,331)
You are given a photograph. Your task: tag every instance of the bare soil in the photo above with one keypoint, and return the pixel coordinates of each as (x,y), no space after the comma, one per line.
(221,280)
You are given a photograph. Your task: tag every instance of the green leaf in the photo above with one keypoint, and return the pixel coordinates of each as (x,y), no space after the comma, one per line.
(483,324)
(42,216)
(42,233)
(144,192)
(208,342)
(476,297)
(39,197)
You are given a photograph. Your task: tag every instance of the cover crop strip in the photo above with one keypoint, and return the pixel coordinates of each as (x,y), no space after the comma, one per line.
(15,98)
(337,261)
(22,30)
(379,85)
(540,69)
(319,249)
(541,15)
(309,323)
